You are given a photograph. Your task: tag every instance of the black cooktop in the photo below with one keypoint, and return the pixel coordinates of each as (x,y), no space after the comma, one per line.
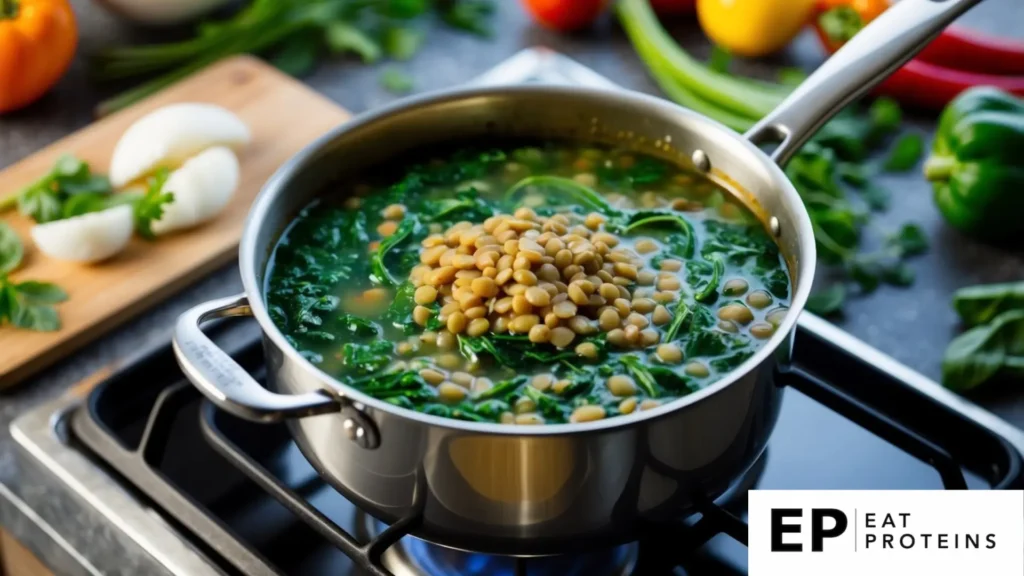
(247,498)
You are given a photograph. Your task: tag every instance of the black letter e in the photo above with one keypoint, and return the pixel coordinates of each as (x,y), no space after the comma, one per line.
(779,528)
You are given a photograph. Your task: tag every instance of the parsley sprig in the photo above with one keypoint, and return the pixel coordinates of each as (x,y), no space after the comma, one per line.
(28,304)
(149,207)
(44,199)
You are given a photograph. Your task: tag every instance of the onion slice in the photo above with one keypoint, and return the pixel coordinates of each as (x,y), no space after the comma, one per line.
(168,136)
(87,238)
(202,187)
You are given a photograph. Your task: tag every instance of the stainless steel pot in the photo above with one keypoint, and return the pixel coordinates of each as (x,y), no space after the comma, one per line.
(556,488)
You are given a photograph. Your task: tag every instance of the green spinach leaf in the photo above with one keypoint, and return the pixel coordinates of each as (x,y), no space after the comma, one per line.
(978,355)
(980,304)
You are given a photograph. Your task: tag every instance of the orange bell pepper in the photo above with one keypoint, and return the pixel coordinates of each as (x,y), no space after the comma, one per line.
(37,43)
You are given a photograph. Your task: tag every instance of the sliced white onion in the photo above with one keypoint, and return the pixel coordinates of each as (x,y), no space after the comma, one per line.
(170,135)
(87,238)
(202,187)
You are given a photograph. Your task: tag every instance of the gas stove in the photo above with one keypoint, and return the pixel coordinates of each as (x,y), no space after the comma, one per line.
(202,492)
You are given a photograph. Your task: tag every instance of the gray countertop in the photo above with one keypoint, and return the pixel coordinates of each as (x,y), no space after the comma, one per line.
(911,325)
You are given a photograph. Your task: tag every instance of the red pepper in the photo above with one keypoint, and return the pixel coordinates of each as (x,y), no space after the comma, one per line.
(967,50)
(921,83)
(565,15)
(929,86)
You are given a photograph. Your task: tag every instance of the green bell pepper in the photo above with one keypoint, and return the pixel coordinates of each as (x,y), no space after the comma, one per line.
(977,164)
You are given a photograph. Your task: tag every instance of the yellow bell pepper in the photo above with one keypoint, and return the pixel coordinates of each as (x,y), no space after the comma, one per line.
(753,28)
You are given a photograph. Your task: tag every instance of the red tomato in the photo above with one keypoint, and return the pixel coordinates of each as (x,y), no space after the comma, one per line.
(672,7)
(565,15)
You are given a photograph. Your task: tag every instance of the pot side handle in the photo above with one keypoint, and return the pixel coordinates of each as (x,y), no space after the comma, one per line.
(874,53)
(226,383)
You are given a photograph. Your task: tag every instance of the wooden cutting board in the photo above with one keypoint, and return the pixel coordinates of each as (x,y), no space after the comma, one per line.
(283,115)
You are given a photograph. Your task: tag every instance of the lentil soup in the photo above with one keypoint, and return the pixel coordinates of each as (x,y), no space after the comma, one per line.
(536,284)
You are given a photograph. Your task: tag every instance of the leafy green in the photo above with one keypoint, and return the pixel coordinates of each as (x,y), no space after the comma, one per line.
(402,42)
(297,55)
(469,15)
(910,240)
(149,207)
(905,153)
(357,326)
(551,407)
(641,373)
(983,352)
(295,33)
(885,115)
(680,315)
(828,301)
(876,197)
(684,242)
(565,187)
(710,290)
(980,304)
(367,358)
(28,304)
(343,37)
(43,200)
(381,274)
(396,81)
(517,351)
(11,249)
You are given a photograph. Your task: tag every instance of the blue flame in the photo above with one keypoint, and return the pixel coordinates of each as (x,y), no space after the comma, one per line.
(439,561)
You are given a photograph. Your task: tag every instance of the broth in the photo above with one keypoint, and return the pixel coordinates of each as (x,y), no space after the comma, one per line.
(547,283)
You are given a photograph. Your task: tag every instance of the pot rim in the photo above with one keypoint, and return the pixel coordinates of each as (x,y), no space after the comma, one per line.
(287,171)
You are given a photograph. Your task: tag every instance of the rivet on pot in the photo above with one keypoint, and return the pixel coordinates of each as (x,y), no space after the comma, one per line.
(776,228)
(359,429)
(701,160)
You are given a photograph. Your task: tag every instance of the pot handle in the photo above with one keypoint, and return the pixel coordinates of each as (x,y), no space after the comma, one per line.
(226,383)
(874,53)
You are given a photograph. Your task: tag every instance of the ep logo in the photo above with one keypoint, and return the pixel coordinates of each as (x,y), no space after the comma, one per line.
(824,523)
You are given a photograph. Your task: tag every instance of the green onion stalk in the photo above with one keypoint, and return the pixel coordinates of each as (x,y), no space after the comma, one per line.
(734,101)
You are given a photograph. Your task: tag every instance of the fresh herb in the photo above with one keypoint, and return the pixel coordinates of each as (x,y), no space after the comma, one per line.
(11,249)
(909,241)
(642,374)
(468,15)
(517,351)
(295,33)
(567,188)
(680,316)
(149,207)
(710,290)
(396,81)
(828,301)
(360,327)
(402,42)
(651,218)
(876,197)
(549,406)
(28,304)
(905,153)
(380,272)
(367,358)
(44,199)
(980,304)
(297,55)
(985,352)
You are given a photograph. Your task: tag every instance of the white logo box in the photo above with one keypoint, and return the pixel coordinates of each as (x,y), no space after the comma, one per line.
(887,533)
